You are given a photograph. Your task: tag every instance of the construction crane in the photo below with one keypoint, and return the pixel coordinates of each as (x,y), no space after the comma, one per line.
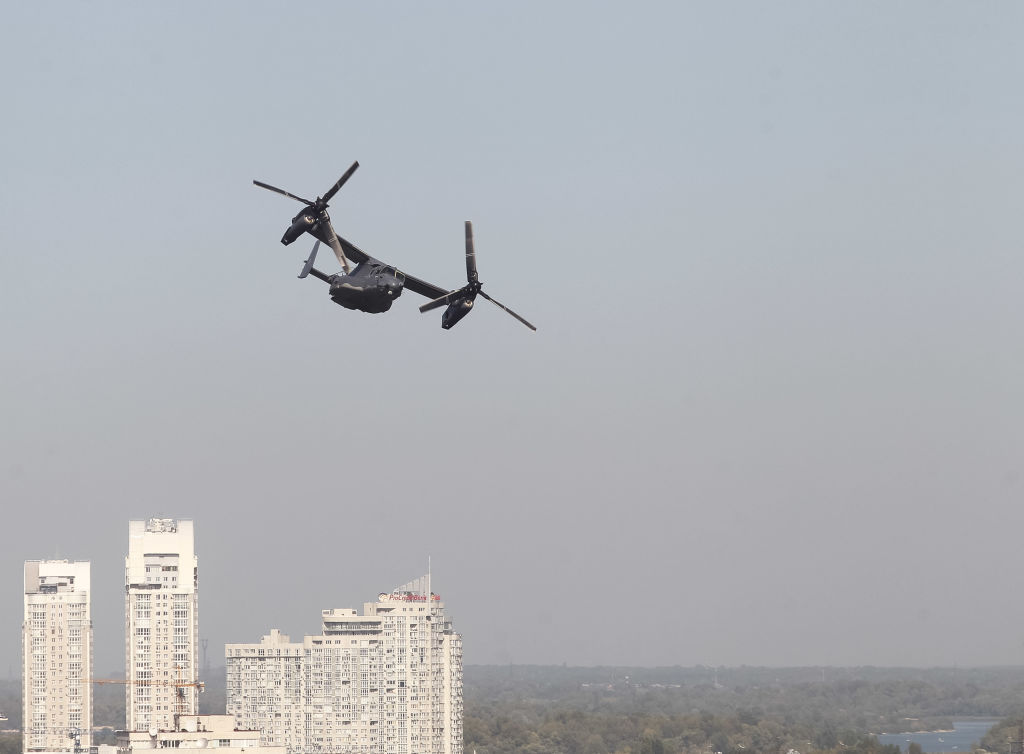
(154,682)
(178,685)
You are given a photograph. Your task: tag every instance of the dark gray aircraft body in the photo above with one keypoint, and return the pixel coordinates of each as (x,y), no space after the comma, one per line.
(374,285)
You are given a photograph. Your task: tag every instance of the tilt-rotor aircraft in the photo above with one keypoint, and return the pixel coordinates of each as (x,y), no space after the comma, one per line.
(374,285)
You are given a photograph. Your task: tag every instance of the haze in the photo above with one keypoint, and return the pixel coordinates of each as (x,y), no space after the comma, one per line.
(772,414)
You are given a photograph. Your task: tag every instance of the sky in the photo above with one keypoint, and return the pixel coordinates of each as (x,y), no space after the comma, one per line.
(772,414)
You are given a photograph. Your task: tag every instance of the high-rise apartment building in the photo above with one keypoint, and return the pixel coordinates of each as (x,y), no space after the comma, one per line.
(56,657)
(388,681)
(161,623)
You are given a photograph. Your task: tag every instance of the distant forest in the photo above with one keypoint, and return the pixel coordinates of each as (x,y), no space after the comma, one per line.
(676,710)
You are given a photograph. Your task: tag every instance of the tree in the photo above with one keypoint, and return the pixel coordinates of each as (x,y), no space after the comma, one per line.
(10,743)
(652,745)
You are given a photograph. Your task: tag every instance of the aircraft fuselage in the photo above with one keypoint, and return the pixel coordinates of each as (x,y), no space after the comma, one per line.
(370,288)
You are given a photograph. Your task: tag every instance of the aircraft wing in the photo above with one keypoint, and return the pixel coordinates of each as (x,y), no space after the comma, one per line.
(414,284)
(422,287)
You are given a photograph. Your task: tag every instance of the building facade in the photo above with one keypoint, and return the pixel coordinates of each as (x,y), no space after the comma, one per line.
(56,647)
(161,623)
(196,732)
(388,681)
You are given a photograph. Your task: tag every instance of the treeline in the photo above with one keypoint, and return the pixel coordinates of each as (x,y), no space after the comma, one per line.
(578,732)
(877,699)
(729,710)
(1006,735)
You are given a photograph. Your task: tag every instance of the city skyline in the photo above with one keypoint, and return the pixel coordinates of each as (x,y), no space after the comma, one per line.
(171,542)
(400,659)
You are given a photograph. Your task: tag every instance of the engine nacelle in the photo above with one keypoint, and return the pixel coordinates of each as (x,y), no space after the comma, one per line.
(300,224)
(456,310)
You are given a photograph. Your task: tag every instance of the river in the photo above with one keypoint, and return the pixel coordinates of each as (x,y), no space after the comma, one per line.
(964,734)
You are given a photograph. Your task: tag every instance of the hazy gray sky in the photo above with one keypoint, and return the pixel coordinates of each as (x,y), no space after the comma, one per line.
(772,414)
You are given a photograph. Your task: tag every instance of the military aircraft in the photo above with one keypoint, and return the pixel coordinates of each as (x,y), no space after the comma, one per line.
(374,285)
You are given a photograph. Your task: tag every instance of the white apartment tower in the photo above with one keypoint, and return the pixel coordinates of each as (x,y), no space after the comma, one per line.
(388,681)
(161,623)
(56,668)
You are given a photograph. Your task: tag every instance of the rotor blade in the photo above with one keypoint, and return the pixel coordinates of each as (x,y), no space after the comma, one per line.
(340,255)
(332,240)
(471,273)
(341,182)
(283,192)
(442,301)
(502,306)
(309,262)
